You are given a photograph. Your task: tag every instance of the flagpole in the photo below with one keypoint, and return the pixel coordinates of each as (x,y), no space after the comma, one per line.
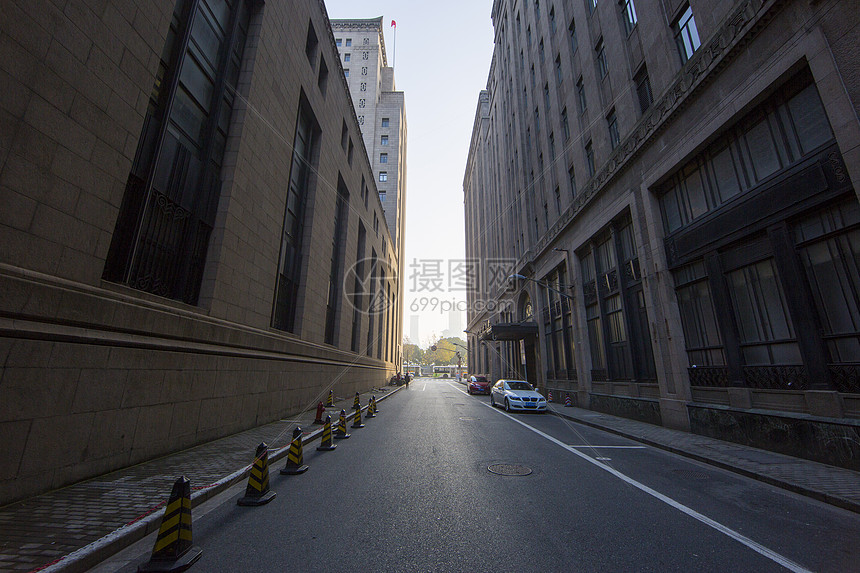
(394,53)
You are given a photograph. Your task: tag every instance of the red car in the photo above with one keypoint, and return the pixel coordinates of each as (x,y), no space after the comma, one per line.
(478,385)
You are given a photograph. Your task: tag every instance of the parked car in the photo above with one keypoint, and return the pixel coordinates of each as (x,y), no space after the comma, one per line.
(517,395)
(478,385)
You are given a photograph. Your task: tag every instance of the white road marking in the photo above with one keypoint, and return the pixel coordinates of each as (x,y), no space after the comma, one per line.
(425,387)
(755,546)
(604,447)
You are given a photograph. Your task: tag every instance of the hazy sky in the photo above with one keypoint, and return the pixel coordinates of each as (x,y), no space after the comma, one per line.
(441,62)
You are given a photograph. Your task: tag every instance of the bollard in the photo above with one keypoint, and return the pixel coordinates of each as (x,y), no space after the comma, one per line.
(326,445)
(258,492)
(549,396)
(320,411)
(567,401)
(341,434)
(173,549)
(295,457)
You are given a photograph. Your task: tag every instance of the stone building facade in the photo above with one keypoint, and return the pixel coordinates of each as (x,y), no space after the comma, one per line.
(381,111)
(676,184)
(191,237)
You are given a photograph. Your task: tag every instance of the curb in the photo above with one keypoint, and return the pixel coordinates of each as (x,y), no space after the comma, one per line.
(831,499)
(83,559)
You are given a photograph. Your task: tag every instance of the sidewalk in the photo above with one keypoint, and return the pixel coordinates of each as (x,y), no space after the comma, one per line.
(74,528)
(830,484)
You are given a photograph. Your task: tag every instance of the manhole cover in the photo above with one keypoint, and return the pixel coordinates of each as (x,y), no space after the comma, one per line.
(509,470)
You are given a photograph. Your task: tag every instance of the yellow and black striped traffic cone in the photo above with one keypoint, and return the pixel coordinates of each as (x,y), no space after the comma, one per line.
(330,400)
(173,549)
(258,492)
(341,434)
(356,421)
(370,412)
(295,457)
(375,407)
(326,445)
(357,402)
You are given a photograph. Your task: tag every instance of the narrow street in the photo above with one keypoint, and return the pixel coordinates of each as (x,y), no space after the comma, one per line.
(412,491)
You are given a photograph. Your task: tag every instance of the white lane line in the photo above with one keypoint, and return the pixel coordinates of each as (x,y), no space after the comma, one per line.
(425,387)
(755,546)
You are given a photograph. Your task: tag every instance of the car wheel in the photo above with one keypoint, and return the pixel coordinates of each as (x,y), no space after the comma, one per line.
(507,405)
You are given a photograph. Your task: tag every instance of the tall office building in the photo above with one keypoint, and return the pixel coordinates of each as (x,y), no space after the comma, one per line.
(677,182)
(183,189)
(413,329)
(381,112)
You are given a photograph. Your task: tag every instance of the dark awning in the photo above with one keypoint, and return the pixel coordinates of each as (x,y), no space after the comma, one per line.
(510,331)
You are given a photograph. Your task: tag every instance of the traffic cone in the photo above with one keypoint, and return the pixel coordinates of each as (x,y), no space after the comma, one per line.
(375,407)
(326,445)
(370,412)
(295,458)
(356,422)
(320,411)
(549,396)
(567,401)
(173,549)
(356,404)
(341,434)
(258,492)
(330,400)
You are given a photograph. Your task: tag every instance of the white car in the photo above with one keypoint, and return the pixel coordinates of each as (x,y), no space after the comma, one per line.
(517,395)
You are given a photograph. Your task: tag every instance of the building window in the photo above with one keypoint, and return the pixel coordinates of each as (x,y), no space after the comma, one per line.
(589,158)
(612,123)
(361,120)
(565,124)
(366,41)
(629,16)
(383,176)
(748,154)
(552,146)
(529,36)
(365,55)
(643,89)
(580,95)
(363,86)
(552,19)
(541,52)
(600,52)
(383,140)
(339,42)
(533,77)
(348,42)
(558,73)
(163,229)
(364,71)
(546,96)
(385,122)
(382,196)
(383,158)
(572,35)
(557,200)
(571,176)
(290,267)
(698,318)
(686,35)
(592,5)
(336,267)
(362,103)
(346,57)
(346,72)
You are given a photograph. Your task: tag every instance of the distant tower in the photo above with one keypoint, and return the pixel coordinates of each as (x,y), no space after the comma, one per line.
(455,323)
(413,329)
(381,114)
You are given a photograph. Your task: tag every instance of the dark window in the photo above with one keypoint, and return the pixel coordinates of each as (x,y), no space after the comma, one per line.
(311,45)
(643,89)
(168,211)
(686,35)
(558,73)
(552,146)
(336,268)
(322,80)
(698,319)
(552,19)
(589,158)
(628,15)
(565,124)
(289,268)
(571,175)
(614,136)
(572,35)
(385,122)
(600,55)
(580,93)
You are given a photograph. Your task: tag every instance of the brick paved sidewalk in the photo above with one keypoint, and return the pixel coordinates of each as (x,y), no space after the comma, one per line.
(73,528)
(830,484)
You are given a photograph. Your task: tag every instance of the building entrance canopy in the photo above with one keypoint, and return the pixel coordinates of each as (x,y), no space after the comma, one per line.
(510,331)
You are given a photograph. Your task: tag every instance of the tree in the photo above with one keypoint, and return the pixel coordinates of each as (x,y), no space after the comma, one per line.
(412,353)
(444,351)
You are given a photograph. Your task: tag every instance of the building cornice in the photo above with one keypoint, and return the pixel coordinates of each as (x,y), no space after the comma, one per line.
(737,31)
(369,24)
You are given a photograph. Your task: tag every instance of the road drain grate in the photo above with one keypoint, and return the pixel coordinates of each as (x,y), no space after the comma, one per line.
(509,470)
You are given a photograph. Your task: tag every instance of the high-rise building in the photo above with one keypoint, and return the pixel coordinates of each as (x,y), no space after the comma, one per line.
(381,112)
(191,238)
(677,182)
(413,329)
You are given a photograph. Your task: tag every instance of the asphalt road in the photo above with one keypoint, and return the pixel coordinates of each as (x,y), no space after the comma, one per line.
(412,492)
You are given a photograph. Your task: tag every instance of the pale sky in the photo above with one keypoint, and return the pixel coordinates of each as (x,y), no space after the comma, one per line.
(441,62)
